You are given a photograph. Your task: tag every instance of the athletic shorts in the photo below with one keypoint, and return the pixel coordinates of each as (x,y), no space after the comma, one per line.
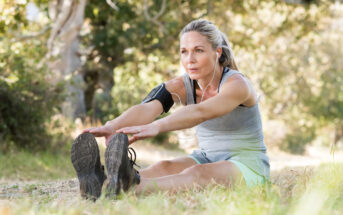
(251,178)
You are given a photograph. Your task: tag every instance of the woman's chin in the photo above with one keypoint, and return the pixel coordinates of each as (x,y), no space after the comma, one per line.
(194,76)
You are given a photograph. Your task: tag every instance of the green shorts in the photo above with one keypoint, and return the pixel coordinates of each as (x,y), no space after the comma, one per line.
(251,178)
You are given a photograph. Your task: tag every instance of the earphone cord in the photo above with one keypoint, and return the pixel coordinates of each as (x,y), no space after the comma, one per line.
(177,97)
(203,91)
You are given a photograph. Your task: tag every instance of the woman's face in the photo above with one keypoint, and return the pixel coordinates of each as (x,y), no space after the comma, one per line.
(197,55)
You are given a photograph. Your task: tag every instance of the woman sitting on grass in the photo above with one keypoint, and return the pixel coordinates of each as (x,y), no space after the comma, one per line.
(218,99)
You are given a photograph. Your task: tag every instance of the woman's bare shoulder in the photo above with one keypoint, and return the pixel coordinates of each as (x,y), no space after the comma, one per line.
(176,87)
(241,86)
(175,83)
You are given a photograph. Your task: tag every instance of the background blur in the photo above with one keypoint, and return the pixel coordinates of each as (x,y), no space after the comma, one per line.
(71,63)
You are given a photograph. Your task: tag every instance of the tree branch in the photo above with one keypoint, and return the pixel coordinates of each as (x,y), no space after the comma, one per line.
(60,20)
(112,5)
(32,36)
(155,18)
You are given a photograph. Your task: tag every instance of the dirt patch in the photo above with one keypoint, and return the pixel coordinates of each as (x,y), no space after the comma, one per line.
(65,189)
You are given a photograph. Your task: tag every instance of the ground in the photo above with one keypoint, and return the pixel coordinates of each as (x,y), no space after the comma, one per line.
(285,168)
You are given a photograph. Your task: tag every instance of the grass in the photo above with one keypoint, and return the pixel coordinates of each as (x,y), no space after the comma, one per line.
(304,191)
(23,165)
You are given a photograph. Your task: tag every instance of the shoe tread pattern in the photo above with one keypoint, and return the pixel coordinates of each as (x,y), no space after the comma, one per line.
(114,156)
(84,154)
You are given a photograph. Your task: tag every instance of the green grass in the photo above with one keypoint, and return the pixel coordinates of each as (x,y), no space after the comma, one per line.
(305,191)
(23,165)
(212,200)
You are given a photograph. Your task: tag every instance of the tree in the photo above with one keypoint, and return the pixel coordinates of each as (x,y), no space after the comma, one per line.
(288,51)
(63,52)
(28,101)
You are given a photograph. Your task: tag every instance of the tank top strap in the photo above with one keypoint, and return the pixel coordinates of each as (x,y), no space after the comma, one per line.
(227,74)
(189,85)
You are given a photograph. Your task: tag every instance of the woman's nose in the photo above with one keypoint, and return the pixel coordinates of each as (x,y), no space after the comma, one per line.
(191,58)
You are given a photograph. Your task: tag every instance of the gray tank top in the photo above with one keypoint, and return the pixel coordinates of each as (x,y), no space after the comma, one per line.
(237,135)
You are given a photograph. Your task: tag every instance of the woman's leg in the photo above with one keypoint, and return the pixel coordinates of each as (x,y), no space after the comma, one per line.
(223,172)
(167,167)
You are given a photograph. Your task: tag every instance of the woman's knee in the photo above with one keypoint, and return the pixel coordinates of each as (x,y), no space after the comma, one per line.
(195,172)
(166,167)
(204,174)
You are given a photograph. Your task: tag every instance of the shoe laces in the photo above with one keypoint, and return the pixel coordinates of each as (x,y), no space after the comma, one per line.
(132,154)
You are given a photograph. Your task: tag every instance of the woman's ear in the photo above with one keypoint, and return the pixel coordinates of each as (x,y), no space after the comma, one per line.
(219,52)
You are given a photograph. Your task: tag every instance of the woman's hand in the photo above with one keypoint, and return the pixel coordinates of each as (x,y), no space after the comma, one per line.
(140,132)
(102,131)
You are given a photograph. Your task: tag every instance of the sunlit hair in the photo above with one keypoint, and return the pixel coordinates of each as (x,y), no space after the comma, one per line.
(216,38)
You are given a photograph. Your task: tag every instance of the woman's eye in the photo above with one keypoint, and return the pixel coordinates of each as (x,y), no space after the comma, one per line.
(183,51)
(199,50)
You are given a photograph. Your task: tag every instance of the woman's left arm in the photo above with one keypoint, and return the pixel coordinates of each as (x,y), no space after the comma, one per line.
(235,91)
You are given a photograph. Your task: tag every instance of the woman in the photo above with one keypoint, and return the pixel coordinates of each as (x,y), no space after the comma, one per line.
(219,100)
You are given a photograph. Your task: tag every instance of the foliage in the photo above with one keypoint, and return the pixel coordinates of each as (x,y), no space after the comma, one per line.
(23,115)
(293,53)
(134,51)
(290,52)
(28,100)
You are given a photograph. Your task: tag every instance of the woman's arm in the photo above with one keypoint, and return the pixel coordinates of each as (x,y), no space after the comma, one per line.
(140,114)
(235,91)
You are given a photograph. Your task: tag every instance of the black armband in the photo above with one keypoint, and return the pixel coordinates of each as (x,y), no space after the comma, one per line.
(161,94)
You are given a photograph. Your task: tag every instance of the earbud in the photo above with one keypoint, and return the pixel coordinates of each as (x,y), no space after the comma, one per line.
(217,54)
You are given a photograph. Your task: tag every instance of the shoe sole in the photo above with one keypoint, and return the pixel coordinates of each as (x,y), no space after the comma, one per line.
(84,154)
(117,146)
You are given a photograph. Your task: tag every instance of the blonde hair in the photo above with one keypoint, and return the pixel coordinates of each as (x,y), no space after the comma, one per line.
(216,38)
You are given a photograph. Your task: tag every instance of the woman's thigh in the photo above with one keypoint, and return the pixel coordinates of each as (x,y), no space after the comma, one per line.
(222,172)
(167,167)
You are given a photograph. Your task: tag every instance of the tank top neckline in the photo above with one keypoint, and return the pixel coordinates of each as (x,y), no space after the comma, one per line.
(225,70)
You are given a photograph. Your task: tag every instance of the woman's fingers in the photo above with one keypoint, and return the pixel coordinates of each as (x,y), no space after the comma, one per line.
(130,130)
(132,139)
(139,132)
(136,137)
(86,130)
(99,131)
(96,131)
(107,139)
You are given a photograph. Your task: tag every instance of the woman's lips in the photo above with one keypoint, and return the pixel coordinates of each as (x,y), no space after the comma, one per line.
(193,70)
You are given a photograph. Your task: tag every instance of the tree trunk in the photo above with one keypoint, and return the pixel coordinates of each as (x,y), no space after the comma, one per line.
(338,134)
(63,53)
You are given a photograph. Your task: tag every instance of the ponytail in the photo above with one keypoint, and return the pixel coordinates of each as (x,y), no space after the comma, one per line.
(227,58)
